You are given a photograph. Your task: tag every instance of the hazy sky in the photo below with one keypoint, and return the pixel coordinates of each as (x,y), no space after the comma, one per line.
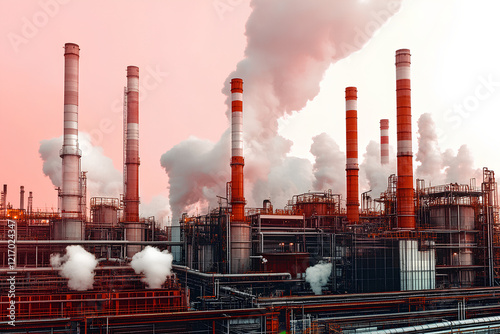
(186,50)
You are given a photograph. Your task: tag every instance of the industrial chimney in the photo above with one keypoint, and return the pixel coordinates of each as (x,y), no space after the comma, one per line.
(4,200)
(240,230)
(351,167)
(21,198)
(131,188)
(384,141)
(404,192)
(30,203)
(70,227)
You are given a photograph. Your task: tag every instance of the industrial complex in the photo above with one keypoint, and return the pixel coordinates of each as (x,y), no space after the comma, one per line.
(415,258)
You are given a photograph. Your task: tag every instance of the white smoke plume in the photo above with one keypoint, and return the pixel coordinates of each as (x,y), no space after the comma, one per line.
(291,177)
(198,171)
(155,266)
(438,167)
(77,265)
(429,154)
(374,175)
(157,207)
(290,45)
(103,179)
(460,167)
(317,276)
(329,164)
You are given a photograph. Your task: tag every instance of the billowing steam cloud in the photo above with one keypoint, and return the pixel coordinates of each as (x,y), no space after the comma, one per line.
(329,161)
(429,154)
(439,167)
(155,266)
(77,265)
(103,179)
(198,171)
(317,276)
(373,172)
(290,45)
(157,207)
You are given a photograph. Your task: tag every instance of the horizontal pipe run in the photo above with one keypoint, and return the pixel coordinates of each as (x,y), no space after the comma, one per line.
(95,242)
(186,269)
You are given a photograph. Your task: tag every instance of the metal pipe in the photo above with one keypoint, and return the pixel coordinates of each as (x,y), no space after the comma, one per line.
(131,188)
(404,191)
(94,242)
(352,168)
(384,141)
(480,323)
(240,229)
(70,227)
(186,269)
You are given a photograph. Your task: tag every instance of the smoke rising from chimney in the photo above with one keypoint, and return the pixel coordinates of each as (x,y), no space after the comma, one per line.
(103,179)
(317,276)
(374,175)
(155,266)
(77,265)
(439,167)
(291,43)
(329,161)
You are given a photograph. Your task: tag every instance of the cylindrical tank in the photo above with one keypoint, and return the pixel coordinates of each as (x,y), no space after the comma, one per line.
(457,217)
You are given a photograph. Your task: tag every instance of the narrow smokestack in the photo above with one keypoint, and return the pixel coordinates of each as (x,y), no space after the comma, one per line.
(131,198)
(404,192)
(70,227)
(352,168)
(240,230)
(384,141)
(21,198)
(30,203)
(4,200)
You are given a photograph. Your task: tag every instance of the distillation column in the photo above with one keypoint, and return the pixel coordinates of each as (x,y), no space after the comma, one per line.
(131,189)
(404,192)
(352,168)
(240,229)
(71,225)
(384,141)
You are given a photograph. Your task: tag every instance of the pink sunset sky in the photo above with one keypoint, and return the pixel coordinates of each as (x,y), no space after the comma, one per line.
(186,51)
(296,63)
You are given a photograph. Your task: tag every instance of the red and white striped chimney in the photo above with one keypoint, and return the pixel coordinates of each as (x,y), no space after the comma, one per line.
(384,141)
(404,191)
(352,168)
(240,229)
(131,196)
(71,226)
